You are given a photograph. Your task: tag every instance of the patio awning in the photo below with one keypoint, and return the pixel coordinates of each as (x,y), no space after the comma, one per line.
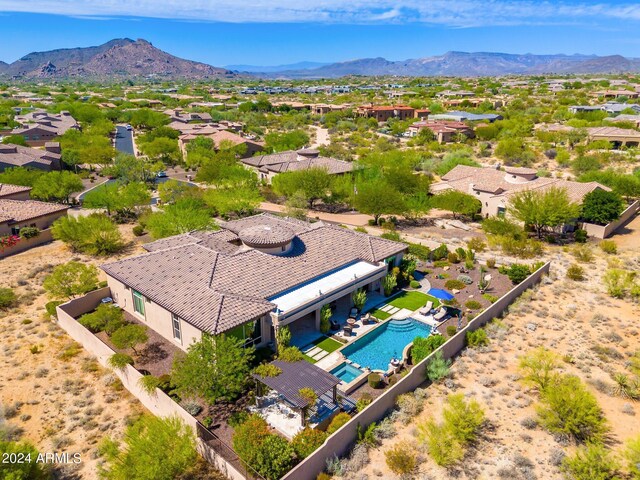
(298,375)
(320,287)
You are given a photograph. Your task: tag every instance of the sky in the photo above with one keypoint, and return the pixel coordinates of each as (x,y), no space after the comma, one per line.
(274,32)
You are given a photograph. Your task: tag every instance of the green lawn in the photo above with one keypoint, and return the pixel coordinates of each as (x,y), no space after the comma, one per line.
(409,300)
(379,314)
(327,344)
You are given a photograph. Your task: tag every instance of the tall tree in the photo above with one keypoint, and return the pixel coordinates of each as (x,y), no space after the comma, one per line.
(456,202)
(544,209)
(71,279)
(215,368)
(376,197)
(183,216)
(313,183)
(57,186)
(601,207)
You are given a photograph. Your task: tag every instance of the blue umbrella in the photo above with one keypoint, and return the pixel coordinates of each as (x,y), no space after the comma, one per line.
(441,294)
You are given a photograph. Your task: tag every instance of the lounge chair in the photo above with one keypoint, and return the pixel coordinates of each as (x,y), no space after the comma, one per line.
(440,314)
(366,318)
(347,330)
(427,308)
(353,313)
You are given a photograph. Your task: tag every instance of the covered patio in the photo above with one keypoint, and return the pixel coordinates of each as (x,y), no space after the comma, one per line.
(286,410)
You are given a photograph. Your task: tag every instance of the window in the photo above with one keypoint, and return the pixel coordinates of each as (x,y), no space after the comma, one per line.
(138,302)
(250,333)
(177,333)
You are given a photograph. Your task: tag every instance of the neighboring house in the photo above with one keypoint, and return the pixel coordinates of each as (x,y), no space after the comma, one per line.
(615,135)
(617,94)
(19,156)
(14,192)
(179,115)
(39,127)
(268,166)
(445,131)
(493,187)
(460,116)
(635,119)
(16,214)
(250,278)
(218,136)
(322,108)
(382,113)
(584,108)
(455,94)
(612,108)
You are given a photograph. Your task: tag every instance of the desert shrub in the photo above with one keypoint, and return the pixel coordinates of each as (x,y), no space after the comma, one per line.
(118,361)
(363,402)
(95,234)
(366,437)
(464,417)
(442,445)
(453,257)
(490,298)
(419,251)
(30,470)
(438,368)
(29,232)
(451,330)
(477,338)
(102,316)
(138,230)
(591,462)
(306,441)
(608,246)
(409,405)
(466,279)
(423,347)
(473,305)
(632,456)
(617,282)
(583,253)
(517,273)
(575,272)
(569,409)
(248,436)
(491,263)
(580,236)
(521,248)
(539,368)
(338,421)
(440,252)
(7,298)
(149,383)
(375,380)
(414,284)
(454,284)
(476,244)
(501,226)
(394,236)
(50,307)
(267,370)
(401,458)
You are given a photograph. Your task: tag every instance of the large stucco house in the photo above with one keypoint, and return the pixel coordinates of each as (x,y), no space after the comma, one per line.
(249,278)
(494,187)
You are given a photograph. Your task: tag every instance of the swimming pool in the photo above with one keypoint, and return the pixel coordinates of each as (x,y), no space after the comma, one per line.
(376,349)
(346,372)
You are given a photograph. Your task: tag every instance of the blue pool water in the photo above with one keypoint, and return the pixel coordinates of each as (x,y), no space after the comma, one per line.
(346,372)
(376,349)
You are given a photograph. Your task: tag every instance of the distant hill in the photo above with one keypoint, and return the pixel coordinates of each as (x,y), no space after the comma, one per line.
(469,64)
(275,68)
(120,57)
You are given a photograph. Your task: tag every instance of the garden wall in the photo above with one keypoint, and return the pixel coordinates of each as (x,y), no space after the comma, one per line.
(27,243)
(342,440)
(600,231)
(159,403)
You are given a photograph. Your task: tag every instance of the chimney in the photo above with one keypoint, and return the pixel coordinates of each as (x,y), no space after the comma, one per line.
(52,147)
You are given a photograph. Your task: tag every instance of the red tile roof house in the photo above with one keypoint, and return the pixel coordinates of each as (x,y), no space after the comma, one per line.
(18,156)
(444,130)
(251,277)
(268,166)
(218,136)
(493,187)
(382,113)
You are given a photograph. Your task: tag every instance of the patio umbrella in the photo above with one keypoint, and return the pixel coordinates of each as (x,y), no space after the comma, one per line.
(441,294)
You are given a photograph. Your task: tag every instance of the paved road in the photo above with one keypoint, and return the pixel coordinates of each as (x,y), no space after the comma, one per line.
(124,140)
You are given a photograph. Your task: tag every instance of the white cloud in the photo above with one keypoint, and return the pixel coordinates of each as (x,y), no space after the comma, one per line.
(453,13)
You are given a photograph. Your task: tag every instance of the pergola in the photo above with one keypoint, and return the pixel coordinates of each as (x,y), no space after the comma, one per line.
(296,376)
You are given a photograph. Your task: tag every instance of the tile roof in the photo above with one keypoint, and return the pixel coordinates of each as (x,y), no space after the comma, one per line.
(291,161)
(21,210)
(217,287)
(7,189)
(20,156)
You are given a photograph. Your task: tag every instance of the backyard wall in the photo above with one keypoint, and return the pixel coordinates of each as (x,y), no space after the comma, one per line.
(342,440)
(600,231)
(27,243)
(159,403)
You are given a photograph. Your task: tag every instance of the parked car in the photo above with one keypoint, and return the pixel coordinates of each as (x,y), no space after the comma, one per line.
(162,174)
(128,127)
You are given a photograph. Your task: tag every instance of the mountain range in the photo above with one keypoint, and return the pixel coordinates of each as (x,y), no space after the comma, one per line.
(125,58)
(120,57)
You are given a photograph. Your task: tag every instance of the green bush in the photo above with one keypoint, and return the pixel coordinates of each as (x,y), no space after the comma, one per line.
(454,284)
(568,408)
(29,232)
(517,273)
(476,244)
(464,417)
(591,462)
(364,401)
(138,230)
(7,298)
(632,456)
(440,252)
(438,368)
(267,370)
(451,330)
(473,305)
(50,307)
(248,436)
(423,347)
(490,298)
(477,338)
(307,441)
(414,284)
(395,236)
(375,380)
(338,421)
(466,279)
(290,354)
(575,272)
(95,234)
(274,457)
(583,253)
(401,458)
(580,236)
(105,317)
(238,418)
(608,246)
(31,470)
(119,361)
(491,263)
(149,383)
(453,257)
(419,251)
(501,226)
